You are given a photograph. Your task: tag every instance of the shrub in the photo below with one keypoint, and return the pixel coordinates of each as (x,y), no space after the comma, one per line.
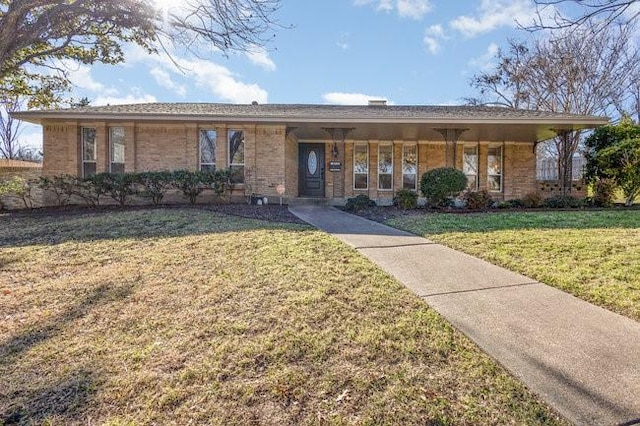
(477,200)
(18,187)
(155,185)
(191,184)
(64,187)
(119,186)
(361,202)
(406,199)
(532,200)
(438,185)
(603,193)
(220,181)
(511,204)
(563,202)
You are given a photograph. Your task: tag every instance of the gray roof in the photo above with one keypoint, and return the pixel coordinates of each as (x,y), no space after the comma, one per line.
(296,112)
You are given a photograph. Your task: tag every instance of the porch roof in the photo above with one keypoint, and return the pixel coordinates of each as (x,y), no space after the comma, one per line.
(388,122)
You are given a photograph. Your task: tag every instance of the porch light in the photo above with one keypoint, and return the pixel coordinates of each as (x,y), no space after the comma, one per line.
(338,134)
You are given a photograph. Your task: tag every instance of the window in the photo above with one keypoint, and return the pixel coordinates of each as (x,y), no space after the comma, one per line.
(410,167)
(494,169)
(236,156)
(361,167)
(207,150)
(385,167)
(470,166)
(88,151)
(116,149)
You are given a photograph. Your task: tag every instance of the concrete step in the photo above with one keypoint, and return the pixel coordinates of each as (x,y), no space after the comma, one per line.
(308,201)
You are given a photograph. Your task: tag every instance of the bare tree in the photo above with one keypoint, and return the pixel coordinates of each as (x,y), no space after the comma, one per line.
(601,12)
(35,35)
(9,129)
(588,71)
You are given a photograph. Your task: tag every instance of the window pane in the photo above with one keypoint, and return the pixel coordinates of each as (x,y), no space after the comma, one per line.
(470,161)
(117,167)
(409,181)
(494,161)
(493,183)
(88,169)
(210,168)
(236,147)
(361,159)
(385,181)
(494,169)
(116,142)
(237,174)
(360,181)
(88,144)
(472,182)
(207,147)
(385,159)
(410,159)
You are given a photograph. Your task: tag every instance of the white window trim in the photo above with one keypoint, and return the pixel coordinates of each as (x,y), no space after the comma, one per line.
(501,175)
(404,146)
(385,145)
(111,148)
(475,146)
(95,148)
(354,167)
(200,163)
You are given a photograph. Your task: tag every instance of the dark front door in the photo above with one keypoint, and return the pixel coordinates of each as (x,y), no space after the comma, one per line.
(311,170)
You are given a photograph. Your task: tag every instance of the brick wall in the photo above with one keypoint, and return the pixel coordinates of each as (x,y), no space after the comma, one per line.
(291,166)
(271,157)
(519,170)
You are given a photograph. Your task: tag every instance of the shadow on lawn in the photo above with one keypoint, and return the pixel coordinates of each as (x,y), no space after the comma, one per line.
(58,225)
(60,399)
(63,396)
(32,336)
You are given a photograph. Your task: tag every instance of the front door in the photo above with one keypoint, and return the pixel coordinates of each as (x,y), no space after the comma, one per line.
(311,170)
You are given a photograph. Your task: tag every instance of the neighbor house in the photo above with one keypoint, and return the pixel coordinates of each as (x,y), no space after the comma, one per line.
(325,152)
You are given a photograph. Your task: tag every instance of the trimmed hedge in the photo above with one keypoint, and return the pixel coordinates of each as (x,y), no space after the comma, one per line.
(121,187)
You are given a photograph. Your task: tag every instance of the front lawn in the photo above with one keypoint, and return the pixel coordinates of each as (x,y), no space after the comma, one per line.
(594,255)
(186,316)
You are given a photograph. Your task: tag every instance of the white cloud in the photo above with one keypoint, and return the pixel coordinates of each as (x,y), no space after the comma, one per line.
(433,36)
(164,79)
(487,60)
(493,14)
(124,100)
(258,55)
(221,82)
(80,76)
(414,9)
(341,98)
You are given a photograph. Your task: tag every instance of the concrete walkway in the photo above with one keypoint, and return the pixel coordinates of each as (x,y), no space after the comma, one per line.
(583,360)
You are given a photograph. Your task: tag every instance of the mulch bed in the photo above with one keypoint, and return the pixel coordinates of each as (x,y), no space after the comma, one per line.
(272,212)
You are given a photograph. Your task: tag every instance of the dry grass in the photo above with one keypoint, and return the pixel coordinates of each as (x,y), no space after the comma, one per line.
(184,316)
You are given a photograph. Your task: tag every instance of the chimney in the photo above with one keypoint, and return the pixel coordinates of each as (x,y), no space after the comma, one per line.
(377,102)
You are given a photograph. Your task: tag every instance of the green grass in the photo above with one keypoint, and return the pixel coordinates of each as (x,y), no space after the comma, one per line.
(595,255)
(183,316)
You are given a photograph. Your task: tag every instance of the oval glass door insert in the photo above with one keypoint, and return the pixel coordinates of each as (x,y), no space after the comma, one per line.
(312,163)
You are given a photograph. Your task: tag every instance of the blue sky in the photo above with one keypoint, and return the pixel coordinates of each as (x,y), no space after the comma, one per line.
(336,52)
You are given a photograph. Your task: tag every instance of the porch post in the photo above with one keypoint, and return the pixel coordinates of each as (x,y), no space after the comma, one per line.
(338,136)
(451,137)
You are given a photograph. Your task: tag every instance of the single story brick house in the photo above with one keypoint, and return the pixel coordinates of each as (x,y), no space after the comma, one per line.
(325,152)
